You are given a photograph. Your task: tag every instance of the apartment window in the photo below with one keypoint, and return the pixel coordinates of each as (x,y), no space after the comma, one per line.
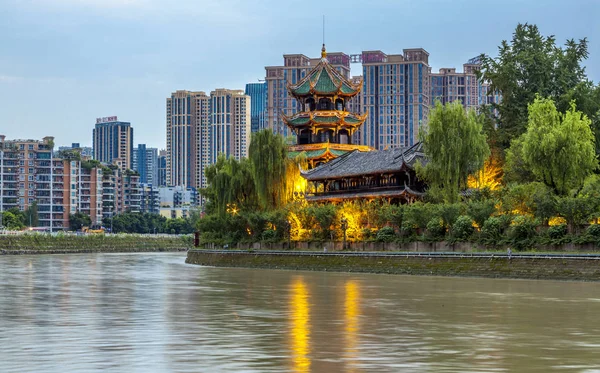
(30,147)
(30,163)
(21,163)
(30,178)
(30,170)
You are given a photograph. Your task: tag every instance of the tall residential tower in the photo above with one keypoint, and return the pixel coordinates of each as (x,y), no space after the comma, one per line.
(113,140)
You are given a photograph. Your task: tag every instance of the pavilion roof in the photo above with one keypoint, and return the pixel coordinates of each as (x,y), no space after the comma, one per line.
(357,163)
(324,80)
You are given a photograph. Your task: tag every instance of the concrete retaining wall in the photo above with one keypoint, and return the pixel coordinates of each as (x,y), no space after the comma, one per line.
(499,266)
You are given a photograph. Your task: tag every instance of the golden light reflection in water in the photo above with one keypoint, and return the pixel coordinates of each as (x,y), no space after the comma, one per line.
(351,322)
(300,326)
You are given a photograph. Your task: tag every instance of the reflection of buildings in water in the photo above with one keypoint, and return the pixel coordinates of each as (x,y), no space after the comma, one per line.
(351,323)
(300,326)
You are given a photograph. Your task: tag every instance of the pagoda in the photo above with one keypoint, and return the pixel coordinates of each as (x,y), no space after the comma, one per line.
(324,127)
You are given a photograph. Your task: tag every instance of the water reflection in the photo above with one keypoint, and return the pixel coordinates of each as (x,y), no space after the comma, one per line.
(300,328)
(351,323)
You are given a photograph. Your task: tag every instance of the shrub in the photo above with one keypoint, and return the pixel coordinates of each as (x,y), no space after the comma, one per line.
(557,231)
(269,235)
(367,234)
(435,229)
(593,230)
(491,231)
(462,228)
(522,231)
(386,234)
(449,212)
(418,215)
(480,211)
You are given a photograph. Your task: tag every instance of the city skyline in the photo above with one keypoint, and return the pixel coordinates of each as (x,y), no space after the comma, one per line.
(54,48)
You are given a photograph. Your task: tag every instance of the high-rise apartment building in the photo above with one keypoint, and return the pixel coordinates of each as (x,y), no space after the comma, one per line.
(113,139)
(258,105)
(20,161)
(150,200)
(29,172)
(145,162)
(396,97)
(229,124)
(162,168)
(448,85)
(181,137)
(199,128)
(295,67)
(120,190)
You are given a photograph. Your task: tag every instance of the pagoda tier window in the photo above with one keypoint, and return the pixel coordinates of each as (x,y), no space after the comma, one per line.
(344,137)
(327,136)
(304,137)
(325,104)
(310,104)
(339,105)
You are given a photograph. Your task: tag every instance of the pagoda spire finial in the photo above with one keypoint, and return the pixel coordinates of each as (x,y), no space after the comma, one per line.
(323,52)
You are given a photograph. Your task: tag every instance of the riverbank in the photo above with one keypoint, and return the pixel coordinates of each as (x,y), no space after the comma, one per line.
(71,244)
(524,266)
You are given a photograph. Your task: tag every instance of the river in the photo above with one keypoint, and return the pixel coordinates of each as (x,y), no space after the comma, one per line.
(154,313)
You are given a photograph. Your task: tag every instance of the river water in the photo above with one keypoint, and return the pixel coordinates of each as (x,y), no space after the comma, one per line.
(154,313)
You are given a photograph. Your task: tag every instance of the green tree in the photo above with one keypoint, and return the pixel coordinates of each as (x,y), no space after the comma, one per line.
(79,220)
(11,221)
(532,64)
(455,146)
(31,215)
(231,186)
(558,148)
(268,157)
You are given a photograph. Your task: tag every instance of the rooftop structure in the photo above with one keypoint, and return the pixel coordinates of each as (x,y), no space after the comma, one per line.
(323,126)
(388,174)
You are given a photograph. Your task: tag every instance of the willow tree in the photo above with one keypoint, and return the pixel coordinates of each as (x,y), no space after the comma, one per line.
(268,159)
(230,186)
(558,148)
(455,146)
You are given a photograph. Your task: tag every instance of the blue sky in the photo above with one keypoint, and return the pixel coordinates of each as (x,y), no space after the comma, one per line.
(65,62)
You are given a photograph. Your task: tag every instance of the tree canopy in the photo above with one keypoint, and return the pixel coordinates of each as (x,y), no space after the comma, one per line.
(268,159)
(532,64)
(79,220)
(557,148)
(455,146)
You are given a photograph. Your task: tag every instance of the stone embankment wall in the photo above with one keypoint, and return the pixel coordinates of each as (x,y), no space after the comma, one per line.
(418,246)
(587,269)
(48,244)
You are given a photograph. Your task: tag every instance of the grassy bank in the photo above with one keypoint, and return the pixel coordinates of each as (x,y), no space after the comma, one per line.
(46,243)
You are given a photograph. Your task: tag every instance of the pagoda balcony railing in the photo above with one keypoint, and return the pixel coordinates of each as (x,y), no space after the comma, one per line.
(361,189)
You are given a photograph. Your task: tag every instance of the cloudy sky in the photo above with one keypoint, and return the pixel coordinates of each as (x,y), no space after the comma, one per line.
(65,62)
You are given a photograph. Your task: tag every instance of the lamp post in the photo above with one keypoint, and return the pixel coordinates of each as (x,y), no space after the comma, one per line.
(289,234)
(344,227)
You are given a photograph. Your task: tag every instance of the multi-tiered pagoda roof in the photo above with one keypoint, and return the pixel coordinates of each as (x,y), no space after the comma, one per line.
(324,126)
